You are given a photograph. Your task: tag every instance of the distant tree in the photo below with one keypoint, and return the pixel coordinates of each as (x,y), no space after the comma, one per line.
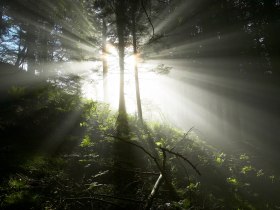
(121,22)
(135,9)
(3,23)
(102,11)
(49,32)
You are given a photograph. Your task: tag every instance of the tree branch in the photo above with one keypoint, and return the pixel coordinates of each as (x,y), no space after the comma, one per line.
(134,144)
(184,136)
(96,199)
(149,19)
(153,193)
(105,196)
(182,157)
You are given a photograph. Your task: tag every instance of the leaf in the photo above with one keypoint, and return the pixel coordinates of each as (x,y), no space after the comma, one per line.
(86,142)
(260,173)
(232,181)
(17,91)
(93,185)
(246,169)
(159,143)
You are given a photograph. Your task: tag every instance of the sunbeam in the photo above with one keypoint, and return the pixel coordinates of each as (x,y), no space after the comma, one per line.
(143,104)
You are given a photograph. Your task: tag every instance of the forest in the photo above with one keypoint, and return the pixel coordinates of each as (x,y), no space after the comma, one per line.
(140,104)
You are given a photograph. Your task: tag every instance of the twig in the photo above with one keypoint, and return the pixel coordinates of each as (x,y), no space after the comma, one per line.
(136,170)
(164,159)
(162,148)
(184,136)
(157,184)
(91,198)
(134,144)
(189,131)
(149,173)
(149,19)
(118,198)
(182,157)
(104,196)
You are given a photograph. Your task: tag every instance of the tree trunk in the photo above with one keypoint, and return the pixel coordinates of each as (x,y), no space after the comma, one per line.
(164,172)
(120,31)
(104,60)
(2,28)
(138,98)
(17,63)
(30,39)
(44,50)
(21,52)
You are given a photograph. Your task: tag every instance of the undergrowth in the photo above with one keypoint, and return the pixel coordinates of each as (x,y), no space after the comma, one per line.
(58,151)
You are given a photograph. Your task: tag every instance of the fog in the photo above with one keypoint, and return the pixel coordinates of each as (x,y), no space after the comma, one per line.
(233,114)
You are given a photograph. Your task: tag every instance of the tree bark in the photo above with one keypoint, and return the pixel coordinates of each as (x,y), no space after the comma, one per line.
(153,193)
(44,50)
(120,32)
(104,60)
(2,28)
(30,39)
(138,98)
(163,169)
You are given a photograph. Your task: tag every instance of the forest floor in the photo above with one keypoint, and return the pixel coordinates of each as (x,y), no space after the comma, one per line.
(60,151)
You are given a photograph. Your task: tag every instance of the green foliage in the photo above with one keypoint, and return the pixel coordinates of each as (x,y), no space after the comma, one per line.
(220,158)
(93,185)
(272,178)
(17,183)
(244,157)
(246,169)
(20,198)
(260,173)
(17,91)
(193,186)
(81,158)
(232,181)
(186,203)
(86,142)
(19,194)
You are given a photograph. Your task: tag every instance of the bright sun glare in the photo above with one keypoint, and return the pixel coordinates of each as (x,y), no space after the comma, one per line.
(149,86)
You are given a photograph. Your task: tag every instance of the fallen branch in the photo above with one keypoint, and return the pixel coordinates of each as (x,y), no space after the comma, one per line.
(136,170)
(161,167)
(162,149)
(153,193)
(157,184)
(184,136)
(182,157)
(96,199)
(92,197)
(134,144)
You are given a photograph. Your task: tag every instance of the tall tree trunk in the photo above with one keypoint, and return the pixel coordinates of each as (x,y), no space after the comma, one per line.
(2,28)
(124,153)
(104,60)
(30,39)
(44,50)
(164,170)
(138,98)
(120,31)
(21,56)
